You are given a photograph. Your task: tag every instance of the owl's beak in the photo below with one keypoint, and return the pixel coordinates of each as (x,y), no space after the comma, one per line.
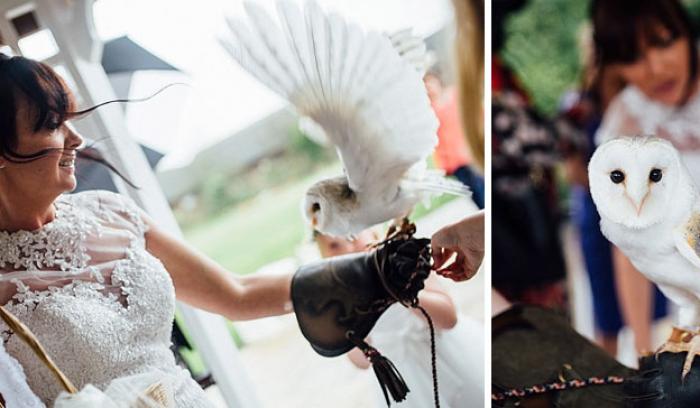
(637,199)
(314,221)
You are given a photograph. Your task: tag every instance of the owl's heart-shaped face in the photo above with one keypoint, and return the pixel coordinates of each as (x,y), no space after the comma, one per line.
(328,207)
(635,181)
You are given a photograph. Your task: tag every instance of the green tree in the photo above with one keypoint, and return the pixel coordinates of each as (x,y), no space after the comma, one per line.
(542,48)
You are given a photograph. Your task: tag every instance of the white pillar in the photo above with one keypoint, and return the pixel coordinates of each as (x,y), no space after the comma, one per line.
(80,52)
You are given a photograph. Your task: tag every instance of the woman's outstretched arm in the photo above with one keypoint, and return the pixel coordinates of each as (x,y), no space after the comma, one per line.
(202,283)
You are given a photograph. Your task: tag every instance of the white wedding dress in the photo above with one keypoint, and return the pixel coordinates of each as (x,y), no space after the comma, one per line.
(99,303)
(404,338)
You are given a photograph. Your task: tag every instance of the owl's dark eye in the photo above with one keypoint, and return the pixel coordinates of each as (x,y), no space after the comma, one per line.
(655,175)
(617,176)
(315,207)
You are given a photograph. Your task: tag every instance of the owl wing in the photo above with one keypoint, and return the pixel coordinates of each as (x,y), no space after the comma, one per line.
(687,239)
(371,103)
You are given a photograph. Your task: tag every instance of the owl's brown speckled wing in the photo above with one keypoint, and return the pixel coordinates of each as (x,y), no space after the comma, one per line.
(687,238)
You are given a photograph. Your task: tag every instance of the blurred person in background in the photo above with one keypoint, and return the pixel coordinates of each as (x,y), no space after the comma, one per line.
(465,238)
(403,336)
(452,154)
(528,262)
(651,47)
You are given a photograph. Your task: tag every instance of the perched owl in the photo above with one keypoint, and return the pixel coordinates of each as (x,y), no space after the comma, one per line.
(649,209)
(364,92)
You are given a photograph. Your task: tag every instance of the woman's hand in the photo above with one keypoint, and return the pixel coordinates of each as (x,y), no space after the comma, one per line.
(465,239)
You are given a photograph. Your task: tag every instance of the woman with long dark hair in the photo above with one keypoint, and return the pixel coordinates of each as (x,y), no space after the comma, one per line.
(90,274)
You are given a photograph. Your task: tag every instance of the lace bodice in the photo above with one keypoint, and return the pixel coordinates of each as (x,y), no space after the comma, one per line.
(100,304)
(632,113)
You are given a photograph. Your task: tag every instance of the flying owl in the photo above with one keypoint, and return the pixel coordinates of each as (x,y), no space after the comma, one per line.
(364,92)
(649,209)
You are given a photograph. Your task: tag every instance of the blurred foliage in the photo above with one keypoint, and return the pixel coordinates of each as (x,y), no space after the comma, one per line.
(694,10)
(543,47)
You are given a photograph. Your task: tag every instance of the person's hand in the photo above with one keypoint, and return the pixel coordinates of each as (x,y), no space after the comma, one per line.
(465,239)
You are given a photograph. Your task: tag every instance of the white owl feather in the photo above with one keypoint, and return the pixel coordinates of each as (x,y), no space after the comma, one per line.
(369,101)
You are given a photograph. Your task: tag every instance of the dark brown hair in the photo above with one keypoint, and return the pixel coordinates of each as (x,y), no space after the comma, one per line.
(618,26)
(50,103)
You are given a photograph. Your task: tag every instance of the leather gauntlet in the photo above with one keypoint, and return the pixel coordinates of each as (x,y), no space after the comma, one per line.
(337,301)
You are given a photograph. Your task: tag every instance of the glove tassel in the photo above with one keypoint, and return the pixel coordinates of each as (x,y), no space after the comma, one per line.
(388,376)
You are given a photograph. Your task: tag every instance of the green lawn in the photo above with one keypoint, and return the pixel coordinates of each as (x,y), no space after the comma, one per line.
(262,230)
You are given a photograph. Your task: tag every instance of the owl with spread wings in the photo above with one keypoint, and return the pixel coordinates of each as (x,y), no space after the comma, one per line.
(363,91)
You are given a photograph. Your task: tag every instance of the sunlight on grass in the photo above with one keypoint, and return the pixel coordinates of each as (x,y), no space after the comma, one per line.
(253,234)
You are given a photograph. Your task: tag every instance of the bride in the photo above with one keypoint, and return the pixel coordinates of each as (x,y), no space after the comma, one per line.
(91,274)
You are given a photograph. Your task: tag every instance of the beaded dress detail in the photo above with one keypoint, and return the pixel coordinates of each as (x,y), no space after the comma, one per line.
(99,303)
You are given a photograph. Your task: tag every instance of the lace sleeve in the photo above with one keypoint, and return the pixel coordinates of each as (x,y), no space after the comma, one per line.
(617,121)
(121,209)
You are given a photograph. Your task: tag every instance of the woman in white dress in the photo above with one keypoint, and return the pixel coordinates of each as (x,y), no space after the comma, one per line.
(90,274)
(651,46)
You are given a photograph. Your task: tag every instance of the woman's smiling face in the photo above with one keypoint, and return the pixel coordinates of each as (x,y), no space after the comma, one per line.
(53,171)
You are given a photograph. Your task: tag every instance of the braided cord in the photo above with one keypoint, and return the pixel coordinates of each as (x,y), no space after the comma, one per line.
(414,303)
(555,386)
(433,359)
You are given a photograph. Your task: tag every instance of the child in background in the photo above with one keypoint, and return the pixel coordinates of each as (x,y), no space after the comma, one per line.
(402,335)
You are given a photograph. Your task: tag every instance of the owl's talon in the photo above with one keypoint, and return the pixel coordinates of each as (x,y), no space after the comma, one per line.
(407,229)
(693,350)
(682,341)
(672,347)
(390,232)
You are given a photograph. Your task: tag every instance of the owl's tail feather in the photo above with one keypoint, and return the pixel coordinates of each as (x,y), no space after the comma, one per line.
(434,182)
(446,186)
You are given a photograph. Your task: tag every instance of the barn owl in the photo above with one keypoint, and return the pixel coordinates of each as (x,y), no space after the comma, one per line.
(366,95)
(649,209)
